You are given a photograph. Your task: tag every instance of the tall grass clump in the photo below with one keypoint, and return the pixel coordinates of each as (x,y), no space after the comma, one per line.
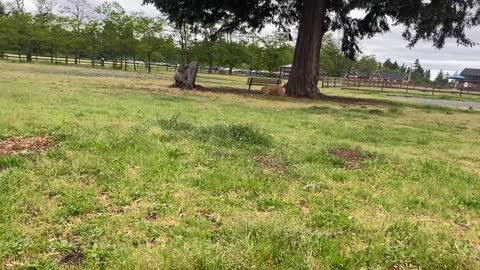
(176,122)
(235,135)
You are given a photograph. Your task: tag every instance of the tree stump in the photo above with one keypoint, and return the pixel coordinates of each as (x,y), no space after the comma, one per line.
(185,76)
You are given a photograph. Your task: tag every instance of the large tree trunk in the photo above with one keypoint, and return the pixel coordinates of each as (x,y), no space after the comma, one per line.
(303,80)
(186,76)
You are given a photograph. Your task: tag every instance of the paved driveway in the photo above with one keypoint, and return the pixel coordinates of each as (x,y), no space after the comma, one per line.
(444,102)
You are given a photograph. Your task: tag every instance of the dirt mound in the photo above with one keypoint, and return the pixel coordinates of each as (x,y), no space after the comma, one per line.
(12,146)
(352,158)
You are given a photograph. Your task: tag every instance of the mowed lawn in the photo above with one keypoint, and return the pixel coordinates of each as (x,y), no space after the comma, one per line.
(142,176)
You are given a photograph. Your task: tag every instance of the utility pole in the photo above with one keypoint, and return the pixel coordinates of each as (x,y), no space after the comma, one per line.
(410,74)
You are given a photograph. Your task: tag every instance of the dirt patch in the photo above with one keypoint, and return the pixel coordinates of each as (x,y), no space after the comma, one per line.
(74,257)
(152,217)
(226,90)
(270,163)
(12,146)
(351,158)
(323,97)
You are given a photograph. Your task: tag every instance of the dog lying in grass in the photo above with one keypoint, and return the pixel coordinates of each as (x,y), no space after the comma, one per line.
(275,91)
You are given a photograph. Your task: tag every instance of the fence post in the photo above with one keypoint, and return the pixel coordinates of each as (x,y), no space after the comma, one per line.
(383,84)
(433,90)
(461,91)
(407,88)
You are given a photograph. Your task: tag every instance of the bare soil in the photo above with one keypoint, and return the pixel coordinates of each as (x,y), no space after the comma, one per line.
(12,146)
(74,257)
(323,97)
(352,158)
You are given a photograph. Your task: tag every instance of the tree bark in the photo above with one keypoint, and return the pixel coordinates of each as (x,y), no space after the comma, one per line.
(29,54)
(186,76)
(304,76)
(149,63)
(67,56)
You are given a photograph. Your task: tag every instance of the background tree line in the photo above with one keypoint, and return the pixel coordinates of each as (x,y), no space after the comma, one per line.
(79,30)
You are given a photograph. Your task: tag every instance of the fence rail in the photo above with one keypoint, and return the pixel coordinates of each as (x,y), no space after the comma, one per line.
(384,86)
(89,62)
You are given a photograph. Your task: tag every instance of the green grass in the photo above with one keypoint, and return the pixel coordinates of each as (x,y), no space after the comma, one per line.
(143,176)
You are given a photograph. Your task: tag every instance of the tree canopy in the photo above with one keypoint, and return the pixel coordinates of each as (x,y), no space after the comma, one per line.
(433,20)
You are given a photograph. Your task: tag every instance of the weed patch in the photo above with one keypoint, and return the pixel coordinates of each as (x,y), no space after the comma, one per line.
(472,202)
(333,219)
(235,135)
(177,122)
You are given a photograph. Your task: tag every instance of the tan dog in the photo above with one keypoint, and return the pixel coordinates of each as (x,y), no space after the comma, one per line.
(276,91)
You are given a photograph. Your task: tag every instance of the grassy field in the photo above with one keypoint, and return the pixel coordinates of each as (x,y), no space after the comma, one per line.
(142,176)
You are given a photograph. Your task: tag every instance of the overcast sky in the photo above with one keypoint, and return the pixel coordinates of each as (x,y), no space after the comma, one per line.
(390,45)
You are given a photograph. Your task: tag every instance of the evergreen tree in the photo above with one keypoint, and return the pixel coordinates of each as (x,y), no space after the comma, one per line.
(440,77)
(432,20)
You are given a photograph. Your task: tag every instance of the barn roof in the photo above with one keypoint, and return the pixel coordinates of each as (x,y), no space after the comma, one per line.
(393,76)
(471,73)
(456,76)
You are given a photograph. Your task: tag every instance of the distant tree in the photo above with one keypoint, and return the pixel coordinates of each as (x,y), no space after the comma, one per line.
(395,66)
(113,24)
(254,57)
(186,35)
(419,74)
(170,53)
(231,53)
(204,51)
(17,6)
(8,36)
(368,64)
(147,30)
(276,52)
(92,35)
(388,65)
(44,7)
(440,77)
(77,11)
(334,61)
(428,74)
